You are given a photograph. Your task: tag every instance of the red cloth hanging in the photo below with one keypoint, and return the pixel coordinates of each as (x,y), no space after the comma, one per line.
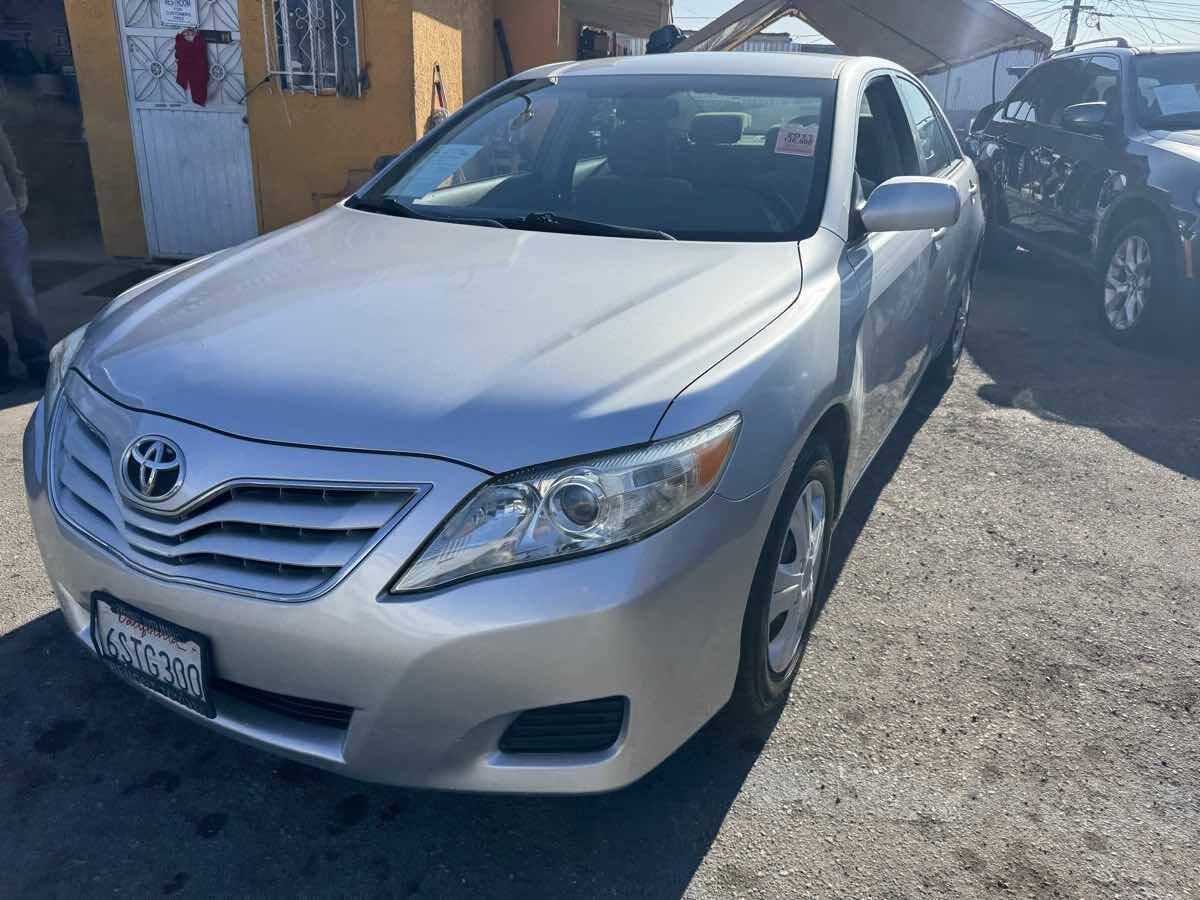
(191,64)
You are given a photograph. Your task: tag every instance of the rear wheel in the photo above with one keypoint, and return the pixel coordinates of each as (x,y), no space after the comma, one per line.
(997,244)
(788,585)
(1137,282)
(945,366)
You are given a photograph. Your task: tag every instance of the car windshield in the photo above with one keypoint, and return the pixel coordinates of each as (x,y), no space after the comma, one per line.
(1169,90)
(742,158)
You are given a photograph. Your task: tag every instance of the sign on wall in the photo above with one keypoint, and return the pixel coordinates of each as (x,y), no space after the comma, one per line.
(178,13)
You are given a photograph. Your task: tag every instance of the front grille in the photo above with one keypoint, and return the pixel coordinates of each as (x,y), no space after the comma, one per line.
(586,727)
(316,711)
(275,540)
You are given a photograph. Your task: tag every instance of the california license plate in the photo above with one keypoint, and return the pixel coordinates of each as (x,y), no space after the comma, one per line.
(158,655)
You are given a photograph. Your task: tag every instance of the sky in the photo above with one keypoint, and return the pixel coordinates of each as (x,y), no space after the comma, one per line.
(1140,21)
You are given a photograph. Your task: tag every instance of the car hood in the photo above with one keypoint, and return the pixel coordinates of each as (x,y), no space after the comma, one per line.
(1186,143)
(499,348)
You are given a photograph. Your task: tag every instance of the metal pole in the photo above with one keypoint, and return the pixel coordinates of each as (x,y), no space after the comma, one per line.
(1073,27)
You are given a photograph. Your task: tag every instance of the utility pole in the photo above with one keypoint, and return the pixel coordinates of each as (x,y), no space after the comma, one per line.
(1076,6)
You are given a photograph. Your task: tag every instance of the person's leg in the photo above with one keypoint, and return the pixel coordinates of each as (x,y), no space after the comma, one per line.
(16,288)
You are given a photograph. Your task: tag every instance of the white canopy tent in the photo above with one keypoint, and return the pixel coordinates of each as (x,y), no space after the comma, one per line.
(924,36)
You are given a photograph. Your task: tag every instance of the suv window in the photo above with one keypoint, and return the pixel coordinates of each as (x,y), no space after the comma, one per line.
(1099,78)
(1042,94)
(1168,90)
(933,144)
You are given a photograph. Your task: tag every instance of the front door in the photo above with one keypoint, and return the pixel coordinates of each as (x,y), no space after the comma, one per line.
(193,162)
(886,276)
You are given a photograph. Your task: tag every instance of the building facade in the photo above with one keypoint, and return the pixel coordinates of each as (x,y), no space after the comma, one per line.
(299,99)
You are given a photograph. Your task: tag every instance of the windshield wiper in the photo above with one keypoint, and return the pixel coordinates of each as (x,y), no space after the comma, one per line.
(548,221)
(393,207)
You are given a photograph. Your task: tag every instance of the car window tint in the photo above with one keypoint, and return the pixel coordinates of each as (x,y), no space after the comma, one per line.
(885,146)
(713,157)
(1097,79)
(1168,89)
(932,144)
(1042,94)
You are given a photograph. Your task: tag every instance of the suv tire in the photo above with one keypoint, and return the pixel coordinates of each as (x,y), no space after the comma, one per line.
(1136,282)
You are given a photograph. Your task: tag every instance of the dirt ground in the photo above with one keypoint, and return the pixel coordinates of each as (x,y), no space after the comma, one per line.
(1000,697)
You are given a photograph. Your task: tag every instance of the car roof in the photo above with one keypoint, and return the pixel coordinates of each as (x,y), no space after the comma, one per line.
(1129,50)
(795,65)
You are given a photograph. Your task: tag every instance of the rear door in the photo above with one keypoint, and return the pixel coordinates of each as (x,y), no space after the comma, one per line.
(954,245)
(1006,150)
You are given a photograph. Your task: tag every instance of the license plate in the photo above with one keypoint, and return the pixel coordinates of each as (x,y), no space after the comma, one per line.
(166,658)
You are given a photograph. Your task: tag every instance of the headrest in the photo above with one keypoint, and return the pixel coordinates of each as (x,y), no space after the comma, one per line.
(647,109)
(639,149)
(718,127)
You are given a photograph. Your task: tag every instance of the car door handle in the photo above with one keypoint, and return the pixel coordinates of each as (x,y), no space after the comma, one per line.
(973,189)
(938,234)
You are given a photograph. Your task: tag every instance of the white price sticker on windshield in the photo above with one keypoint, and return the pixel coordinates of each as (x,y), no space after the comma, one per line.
(1174,99)
(437,166)
(797,140)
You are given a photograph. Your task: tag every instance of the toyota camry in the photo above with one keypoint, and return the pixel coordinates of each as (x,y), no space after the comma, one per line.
(512,469)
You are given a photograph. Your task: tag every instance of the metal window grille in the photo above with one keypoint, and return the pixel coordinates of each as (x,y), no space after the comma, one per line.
(313,45)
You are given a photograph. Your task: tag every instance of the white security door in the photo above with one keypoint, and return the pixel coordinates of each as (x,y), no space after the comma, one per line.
(193,161)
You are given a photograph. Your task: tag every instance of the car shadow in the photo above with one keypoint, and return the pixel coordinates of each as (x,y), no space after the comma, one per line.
(105,791)
(1034,331)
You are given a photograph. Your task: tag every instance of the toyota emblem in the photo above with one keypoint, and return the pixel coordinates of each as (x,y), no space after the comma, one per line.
(153,468)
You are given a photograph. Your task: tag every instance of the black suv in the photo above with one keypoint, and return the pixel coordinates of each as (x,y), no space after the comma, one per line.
(1095,157)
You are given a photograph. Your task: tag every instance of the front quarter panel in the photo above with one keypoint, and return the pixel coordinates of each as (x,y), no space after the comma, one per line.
(781,381)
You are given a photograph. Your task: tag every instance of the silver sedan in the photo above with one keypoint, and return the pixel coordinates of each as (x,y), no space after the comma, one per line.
(510,471)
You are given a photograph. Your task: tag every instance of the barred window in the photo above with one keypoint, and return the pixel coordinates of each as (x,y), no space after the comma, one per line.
(313,45)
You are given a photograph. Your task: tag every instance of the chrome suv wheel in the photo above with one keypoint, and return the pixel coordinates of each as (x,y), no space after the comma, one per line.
(1127,283)
(1138,282)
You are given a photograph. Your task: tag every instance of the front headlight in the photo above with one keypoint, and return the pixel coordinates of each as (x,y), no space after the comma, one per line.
(561,510)
(61,357)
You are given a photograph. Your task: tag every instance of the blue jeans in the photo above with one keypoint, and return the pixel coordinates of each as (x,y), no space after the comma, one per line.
(16,294)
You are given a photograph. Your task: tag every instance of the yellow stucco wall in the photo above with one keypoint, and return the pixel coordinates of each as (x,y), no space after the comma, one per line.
(537,33)
(457,35)
(94,43)
(309,151)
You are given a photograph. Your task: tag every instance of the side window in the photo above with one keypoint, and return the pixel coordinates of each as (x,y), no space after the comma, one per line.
(1045,91)
(884,148)
(933,145)
(1019,105)
(1099,79)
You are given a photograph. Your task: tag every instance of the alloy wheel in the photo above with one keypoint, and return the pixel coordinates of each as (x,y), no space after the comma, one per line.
(796,576)
(1127,283)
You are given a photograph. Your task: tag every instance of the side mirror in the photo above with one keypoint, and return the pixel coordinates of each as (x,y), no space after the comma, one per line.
(910,203)
(1086,118)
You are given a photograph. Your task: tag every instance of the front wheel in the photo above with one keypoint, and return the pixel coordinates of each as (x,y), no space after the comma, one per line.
(1137,282)
(788,585)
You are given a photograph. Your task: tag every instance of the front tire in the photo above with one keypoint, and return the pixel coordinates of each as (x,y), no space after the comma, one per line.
(1136,284)
(788,586)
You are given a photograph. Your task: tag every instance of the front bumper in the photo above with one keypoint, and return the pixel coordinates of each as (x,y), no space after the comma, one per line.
(434,681)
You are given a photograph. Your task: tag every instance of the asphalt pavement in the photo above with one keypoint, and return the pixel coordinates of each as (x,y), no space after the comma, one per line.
(1000,697)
